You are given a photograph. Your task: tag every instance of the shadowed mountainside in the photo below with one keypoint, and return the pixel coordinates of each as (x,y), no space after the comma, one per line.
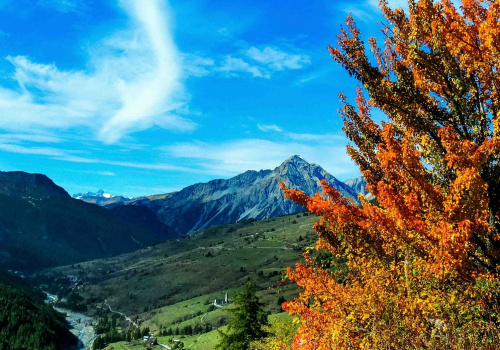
(41,225)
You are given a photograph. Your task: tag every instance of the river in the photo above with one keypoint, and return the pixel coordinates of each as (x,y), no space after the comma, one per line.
(81,325)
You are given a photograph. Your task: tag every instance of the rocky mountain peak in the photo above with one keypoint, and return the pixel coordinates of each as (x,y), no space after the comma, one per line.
(251,195)
(295,161)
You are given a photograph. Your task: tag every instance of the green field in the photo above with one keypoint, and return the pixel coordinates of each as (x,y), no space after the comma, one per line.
(173,284)
(205,341)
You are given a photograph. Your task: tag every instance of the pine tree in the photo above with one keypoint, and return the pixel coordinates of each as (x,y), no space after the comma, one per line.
(246,323)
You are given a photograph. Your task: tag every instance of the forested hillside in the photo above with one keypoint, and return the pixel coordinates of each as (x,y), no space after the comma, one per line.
(26,322)
(41,225)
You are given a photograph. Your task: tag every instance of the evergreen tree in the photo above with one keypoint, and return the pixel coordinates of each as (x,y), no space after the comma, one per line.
(247,321)
(208,328)
(26,322)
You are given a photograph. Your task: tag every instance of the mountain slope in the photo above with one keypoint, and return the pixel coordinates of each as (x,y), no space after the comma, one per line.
(203,263)
(251,195)
(41,225)
(19,183)
(27,322)
(358,184)
(142,217)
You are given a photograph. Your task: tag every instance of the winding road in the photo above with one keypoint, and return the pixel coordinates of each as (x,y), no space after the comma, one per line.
(120,313)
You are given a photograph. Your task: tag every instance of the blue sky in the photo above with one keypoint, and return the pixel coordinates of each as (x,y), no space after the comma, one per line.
(149,96)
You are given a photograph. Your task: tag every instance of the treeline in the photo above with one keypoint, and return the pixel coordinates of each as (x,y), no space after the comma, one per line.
(186,330)
(108,333)
(26,322)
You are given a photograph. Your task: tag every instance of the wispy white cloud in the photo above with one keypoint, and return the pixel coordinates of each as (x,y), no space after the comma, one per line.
(197,65)
(76,157)
(266,128)
(132,83)
(322,138)
(235,65)
(277,59)
(45,151)
(234,157)
(150,166)
(223,31)
(306,79)
(30,137)
(102,173)
(256,62)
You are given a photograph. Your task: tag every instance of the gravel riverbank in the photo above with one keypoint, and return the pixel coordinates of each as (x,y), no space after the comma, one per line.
(81,325)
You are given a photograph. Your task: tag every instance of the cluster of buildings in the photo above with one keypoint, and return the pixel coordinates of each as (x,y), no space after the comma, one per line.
(221,302)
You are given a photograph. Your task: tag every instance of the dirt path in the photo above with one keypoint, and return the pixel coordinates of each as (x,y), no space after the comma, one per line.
(120,313)
(197,339)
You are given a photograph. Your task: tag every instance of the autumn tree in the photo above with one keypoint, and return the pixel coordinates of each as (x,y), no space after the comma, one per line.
(422,264)
(280,334)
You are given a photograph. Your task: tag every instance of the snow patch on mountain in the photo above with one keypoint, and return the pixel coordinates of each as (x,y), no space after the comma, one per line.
(101,194)
(101,198)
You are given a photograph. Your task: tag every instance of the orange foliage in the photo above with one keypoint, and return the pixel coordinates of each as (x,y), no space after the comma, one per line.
(422,263)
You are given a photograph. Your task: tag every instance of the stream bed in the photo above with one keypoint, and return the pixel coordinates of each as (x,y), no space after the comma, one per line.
(81,325)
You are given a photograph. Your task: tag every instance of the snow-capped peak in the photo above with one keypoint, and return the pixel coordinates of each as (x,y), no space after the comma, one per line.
(100,194)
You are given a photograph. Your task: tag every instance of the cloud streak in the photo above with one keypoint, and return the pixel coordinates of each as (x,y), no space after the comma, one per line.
(9,145)
(132,83)
(277,59)
(234,157)
(267,128)
(257,62)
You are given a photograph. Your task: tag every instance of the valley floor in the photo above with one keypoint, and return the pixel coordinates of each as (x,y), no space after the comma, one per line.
(173,285)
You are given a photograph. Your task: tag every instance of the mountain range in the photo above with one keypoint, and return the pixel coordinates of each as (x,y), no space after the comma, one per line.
(251,195)
(42,225)
(358,184)
(100,198)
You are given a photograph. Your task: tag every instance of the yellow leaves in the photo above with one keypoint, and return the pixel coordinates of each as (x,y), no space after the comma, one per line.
(420,264)
(412,202)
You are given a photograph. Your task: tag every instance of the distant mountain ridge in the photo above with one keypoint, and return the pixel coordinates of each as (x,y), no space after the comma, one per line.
(101,193)
(41,225)
(100,198)
(251,195)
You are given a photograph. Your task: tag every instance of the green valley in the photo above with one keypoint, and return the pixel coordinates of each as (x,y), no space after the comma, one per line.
(171,287)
